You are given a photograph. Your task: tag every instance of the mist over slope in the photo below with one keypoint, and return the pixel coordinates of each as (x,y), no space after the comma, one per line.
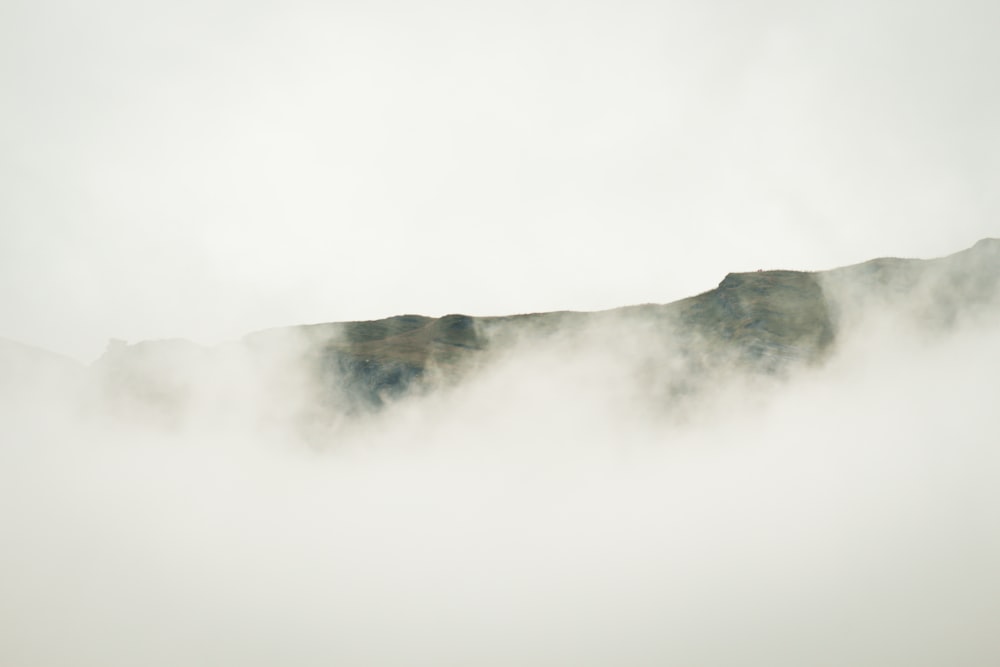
(792,468)
(764,323)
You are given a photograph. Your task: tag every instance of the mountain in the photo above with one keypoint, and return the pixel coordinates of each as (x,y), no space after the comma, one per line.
(30,376)
(24,367)
(765,322)
(762,322)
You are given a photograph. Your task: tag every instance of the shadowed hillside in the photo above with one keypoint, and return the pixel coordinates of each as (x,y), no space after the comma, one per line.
(765,322)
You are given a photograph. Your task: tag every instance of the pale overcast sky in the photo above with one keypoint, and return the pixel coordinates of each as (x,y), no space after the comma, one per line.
(202,169)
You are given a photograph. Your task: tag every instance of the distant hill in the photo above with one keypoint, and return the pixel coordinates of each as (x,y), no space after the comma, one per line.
(765,322)
(29,374)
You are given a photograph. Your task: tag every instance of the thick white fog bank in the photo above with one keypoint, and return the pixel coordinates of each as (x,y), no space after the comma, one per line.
(540,514)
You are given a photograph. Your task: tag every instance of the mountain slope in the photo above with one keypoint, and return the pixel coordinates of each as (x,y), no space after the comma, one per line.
(761,322)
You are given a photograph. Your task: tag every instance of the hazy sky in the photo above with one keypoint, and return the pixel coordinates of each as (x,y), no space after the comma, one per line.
(204,169)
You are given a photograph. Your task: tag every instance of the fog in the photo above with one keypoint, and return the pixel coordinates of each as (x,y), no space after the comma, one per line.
(205,169)
(547,510)
(202,170)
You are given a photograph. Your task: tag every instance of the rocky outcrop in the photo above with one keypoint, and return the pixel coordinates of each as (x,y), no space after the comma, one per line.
(762,322)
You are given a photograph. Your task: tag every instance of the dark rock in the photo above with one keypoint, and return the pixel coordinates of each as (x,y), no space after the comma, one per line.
(762,322)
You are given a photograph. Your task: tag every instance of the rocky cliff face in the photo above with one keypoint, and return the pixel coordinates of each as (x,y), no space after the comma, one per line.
(766,322)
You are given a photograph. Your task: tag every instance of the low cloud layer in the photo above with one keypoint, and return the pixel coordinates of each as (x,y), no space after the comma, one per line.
(543,512)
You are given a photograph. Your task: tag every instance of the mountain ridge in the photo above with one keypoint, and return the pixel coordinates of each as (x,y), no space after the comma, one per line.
(763,322)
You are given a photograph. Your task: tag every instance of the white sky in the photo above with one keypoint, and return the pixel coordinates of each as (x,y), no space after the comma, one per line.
(206,168)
